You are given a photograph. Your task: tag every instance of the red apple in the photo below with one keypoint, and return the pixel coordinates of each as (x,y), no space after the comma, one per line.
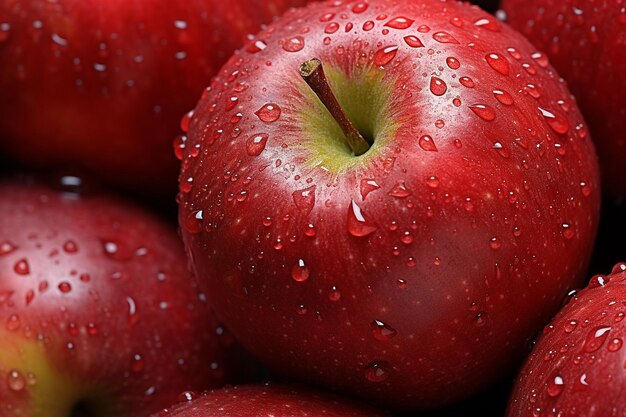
(267,400)
(577,367)
(98,315)
(102,85)
(413,274)
(585,40)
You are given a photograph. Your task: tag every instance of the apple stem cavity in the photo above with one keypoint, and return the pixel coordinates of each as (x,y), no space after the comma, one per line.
(312,72)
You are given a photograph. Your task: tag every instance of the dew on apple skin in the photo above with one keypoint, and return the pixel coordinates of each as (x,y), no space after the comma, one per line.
(179,145)
(15,381)
(480,319)
(503,97)
(400,190)
(256,144)
(618,267)
(568,231)
(360,7)
(13,323)
(310,230)
(187,396)
(231,103)
(193,222)
(466,82)
(453,63)
(331,28)
(334,294)
(294,44)
(22,267)
(137,363)
(6,248)
(70,246)
(427,143)
(304,199)
(596,338)
(357,224)
(300,272)
(185,121)
(498,63)
(432,181)
(437,86)
(570,326)
(400,22)
(368,25)
(377,371)
(444,37)
(382,331)
(269,113)
(615,344)
(413,41)
(489,24)
(555,386)
(385,55)
(483,111)
(65,287)
(256,46)
(557,122)
(494,243)
(367,186)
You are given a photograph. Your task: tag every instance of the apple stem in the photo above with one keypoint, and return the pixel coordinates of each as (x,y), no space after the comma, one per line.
(312,72)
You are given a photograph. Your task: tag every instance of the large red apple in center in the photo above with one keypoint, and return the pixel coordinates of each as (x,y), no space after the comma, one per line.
(410,275)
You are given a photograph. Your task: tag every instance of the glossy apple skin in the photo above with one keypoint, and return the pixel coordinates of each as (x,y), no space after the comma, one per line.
(97,290)
(102,85)
(577,366)
(454,269)
(585,41)
(268,400)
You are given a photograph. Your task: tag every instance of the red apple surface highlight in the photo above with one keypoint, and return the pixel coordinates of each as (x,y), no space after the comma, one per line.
(268,400)
(577,366)
(102,85)
(585,41)
(98,316)
(412,275)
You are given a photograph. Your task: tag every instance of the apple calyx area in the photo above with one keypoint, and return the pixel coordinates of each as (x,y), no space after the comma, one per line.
(312,71)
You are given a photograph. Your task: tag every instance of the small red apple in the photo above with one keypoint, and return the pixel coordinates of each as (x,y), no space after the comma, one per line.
(98,315)
(577,367)
(586,42)
(102,85)
(267,400)
(412,274)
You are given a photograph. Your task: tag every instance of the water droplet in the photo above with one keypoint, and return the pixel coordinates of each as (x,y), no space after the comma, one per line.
(595,339)
(400,190)
(618,268)
(377,371)
(494,243)
(6,247)
(503,97)
(382,331)
(116,250)
(453,63)
(132,310)
(432,181)
(359,7)
(269,113)
(22,267)
(480,319)
(385,55)
(484,111)
(334,294)
(557,122)
(541,59)
(400,22)
(498,63)
(331,28)
(555,386)
(65,287)
(444,37)
(13,323)
(15,380)
(369,25)
(256,144)
(413,41)
(437,86)
(305,199)
(615,345)
(466,82)
(256,46)
(294,44)
(568,231)
(426,143)
(310,230)
(193,222)
(489,24)
(186,120)
(137,363)
(300,272)
(357,224)
(367,186)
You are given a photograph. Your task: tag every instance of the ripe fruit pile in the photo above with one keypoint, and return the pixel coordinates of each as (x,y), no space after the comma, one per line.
(385,199)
